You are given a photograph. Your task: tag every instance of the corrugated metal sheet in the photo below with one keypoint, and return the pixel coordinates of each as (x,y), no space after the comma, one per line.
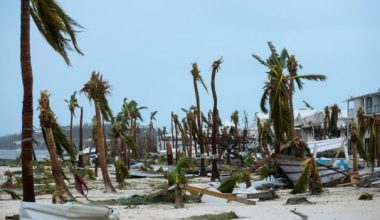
(293,167)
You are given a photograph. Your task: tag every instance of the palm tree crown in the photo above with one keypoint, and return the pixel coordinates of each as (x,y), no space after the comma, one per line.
(96,88)
(54,24)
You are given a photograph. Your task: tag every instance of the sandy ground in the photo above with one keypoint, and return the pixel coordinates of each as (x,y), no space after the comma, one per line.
(335,203)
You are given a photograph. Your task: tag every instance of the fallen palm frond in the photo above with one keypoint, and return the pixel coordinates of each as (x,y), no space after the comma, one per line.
(220,216)
(61,142)
(11,193)
(366,196)
(309,176)
(135,200)
(228,184)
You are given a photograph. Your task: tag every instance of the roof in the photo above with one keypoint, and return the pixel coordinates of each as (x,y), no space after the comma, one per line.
(365,95)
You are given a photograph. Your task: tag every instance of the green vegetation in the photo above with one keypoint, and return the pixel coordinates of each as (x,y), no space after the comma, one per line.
(221,216)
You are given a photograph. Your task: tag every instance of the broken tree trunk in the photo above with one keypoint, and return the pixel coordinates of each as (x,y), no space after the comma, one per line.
(260,164)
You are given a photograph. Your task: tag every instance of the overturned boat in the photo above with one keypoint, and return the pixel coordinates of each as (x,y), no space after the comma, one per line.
(294,166)
(331,170)
(67,211)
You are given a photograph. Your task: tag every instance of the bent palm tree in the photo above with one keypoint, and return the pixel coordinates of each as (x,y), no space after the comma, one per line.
(277,91)
(43,13)
(72,104)
(198,78)
(96,90)
(48,122)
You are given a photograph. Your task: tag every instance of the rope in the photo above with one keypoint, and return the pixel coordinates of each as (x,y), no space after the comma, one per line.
(27,139)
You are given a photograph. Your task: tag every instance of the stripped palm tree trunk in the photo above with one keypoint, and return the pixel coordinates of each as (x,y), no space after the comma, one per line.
(27,105)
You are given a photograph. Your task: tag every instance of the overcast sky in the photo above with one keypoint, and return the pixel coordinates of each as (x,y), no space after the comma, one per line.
(145,50)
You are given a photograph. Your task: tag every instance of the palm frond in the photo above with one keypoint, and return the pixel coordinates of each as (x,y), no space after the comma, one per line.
(62,143)
(54,24)
(315,77)
(129,142)
(307,105)
(301,184)
(177,175)
(261,61)
(263,101)
(106,110)
(228,184)
(203,84)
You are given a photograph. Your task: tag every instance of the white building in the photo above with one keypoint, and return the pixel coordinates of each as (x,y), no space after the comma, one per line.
(369,102)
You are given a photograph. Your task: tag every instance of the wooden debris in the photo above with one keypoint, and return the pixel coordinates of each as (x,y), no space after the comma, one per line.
(260,164)
(262,196)
(303,216)
(228,197)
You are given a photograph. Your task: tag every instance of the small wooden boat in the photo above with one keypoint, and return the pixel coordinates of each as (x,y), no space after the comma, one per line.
(294,166)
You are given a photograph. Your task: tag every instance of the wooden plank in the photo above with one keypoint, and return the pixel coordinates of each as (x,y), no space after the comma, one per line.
(260,164)
(217,194)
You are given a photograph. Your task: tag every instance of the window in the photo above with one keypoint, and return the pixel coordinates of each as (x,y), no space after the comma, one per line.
(368,105)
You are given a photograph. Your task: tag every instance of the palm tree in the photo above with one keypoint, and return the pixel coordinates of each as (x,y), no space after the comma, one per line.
(177,128)
(135,116)
(264,136)
(373,126)
(72,104)
(96,90)
(355,141)
(94,133)
(362,123)
(326,122)
(185,141)
(80,158)
(276,89)
(164,135)
(42,12)
(235,121)
(215,124)
(292,66)
(191,123)
(48,123)
(151,142)
(276,92)
(159,132)
(197,77)
(333,126)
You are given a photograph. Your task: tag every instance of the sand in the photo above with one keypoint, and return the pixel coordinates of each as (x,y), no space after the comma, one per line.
(334,203)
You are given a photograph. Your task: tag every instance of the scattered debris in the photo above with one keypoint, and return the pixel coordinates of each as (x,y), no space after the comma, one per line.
(303,216)
(297,200)
(366,196)
(369,178)
(13,217)
(262,196)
